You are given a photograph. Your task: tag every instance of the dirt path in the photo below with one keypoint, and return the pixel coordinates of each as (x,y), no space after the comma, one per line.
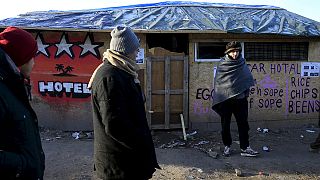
(289,157)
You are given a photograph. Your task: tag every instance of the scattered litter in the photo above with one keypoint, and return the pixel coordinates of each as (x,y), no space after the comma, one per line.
(238,172)
(75,135)
(265,148)
(190,177)
(201,143)
(89,135)
(172,144)
(82,135)
(213,154)
(301,136)
(176,144)
(191,134)
(237,142)
(58,137)
(264,130)
(310,131)
(261,173)
(197,169)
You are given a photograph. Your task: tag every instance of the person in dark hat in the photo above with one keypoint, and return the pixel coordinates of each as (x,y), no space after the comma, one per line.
(231,89)
(123,145)
(21,154)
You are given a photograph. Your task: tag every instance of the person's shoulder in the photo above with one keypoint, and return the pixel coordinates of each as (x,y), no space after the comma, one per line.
(110,73)
(106,70)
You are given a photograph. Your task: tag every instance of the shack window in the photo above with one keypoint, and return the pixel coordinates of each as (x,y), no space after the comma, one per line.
(172,42)
(276,51)
(210,51)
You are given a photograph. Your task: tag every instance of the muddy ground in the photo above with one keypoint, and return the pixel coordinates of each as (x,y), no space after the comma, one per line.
(69,157)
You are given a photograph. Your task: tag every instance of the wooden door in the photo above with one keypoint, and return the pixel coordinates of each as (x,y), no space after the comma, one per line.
(167,91)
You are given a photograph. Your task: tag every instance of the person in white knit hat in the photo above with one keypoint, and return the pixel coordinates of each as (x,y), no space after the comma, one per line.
(123,146)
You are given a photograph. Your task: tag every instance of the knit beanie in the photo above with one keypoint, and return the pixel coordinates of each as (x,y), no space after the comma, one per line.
(123,40)
(18,44)
(233,45)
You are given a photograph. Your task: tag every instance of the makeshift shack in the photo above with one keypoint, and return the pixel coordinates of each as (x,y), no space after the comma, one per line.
(181,44)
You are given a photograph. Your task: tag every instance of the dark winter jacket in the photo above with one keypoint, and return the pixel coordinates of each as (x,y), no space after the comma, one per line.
(21,154)
(123,146)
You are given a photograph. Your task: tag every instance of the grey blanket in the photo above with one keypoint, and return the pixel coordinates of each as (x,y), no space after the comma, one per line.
(233,77)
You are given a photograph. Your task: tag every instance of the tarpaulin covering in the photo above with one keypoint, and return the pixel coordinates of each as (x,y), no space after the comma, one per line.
(176,16)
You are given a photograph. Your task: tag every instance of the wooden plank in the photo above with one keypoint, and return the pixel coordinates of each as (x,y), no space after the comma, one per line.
(171,91)
(149,89)
(186,91)
(167,94)
(183,128)
(158,83)
(176,105)
(158,76)
(177,67)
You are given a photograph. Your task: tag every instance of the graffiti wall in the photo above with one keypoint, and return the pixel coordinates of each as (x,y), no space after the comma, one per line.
(64,64)
(282,91)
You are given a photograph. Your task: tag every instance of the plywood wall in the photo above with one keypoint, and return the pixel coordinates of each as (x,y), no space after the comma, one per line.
(64,65)
(280,93)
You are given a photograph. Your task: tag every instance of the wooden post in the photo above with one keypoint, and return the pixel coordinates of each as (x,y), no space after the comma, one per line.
(183,128)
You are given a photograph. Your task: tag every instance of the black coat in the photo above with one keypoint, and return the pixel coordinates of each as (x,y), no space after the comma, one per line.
(21,154)
(123,146)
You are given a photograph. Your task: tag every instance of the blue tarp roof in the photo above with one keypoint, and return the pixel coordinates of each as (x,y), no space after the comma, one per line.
(177,17)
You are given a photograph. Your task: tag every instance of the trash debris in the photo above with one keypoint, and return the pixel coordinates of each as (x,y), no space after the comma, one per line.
(197,170)
(265,148)
(172,144)
(191,134)
(310,131)
(190,177)
(75,135)
(238,172)
(301,136)
(89,135)
(201,143)
(264,130)
(213,154)
(261,173)
(82,135)
(237,142)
